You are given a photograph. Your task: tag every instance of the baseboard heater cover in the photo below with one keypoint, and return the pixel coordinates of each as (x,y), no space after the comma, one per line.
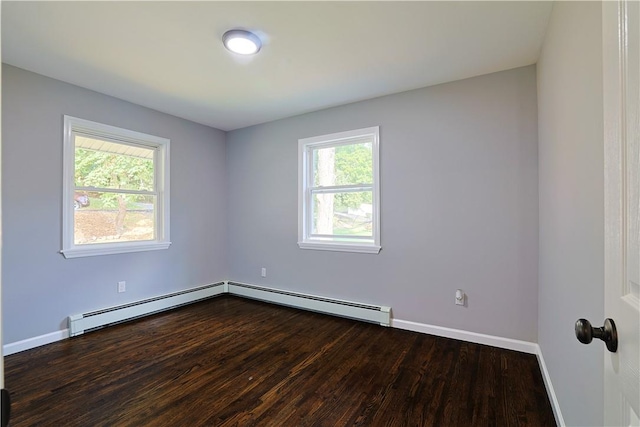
(81,323)
(352,310)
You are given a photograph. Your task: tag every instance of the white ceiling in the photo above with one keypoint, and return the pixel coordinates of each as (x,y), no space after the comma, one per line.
(168,55)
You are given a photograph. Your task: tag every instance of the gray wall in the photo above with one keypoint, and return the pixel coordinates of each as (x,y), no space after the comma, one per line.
(40,287)
(571,187)
(459,205)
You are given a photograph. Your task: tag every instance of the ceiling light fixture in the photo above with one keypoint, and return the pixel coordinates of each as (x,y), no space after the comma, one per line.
(242,42)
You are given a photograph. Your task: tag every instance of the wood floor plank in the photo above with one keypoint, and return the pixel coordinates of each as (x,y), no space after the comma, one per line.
(234,362)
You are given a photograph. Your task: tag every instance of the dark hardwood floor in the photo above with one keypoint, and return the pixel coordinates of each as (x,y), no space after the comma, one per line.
(235,362)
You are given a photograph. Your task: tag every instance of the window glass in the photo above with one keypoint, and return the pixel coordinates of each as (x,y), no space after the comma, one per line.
(343,214)
(113,217)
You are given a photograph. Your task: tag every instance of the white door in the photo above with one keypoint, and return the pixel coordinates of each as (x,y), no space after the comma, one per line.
(621,73)
(1,339)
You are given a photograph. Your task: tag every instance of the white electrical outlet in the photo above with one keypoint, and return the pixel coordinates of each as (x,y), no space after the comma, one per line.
(263,273)
(460,297)
(122,286)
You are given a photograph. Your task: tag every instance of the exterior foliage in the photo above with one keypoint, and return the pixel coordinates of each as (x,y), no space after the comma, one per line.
(114,172)
(354,165)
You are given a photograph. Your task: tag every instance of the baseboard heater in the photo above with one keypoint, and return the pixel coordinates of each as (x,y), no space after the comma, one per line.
(353,310)
(81,323)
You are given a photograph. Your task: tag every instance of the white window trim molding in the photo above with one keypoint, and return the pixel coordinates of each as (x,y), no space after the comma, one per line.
(305,241)
(74,125)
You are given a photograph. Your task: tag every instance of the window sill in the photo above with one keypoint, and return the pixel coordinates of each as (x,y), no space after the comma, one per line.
(113,248)
(340,247)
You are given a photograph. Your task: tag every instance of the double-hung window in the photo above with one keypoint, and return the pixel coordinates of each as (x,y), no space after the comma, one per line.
(339,191)
(116,190)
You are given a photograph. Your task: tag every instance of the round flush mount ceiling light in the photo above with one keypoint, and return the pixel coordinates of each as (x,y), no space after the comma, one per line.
(241,42)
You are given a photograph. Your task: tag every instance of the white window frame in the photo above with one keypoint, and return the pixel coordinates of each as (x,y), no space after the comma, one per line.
(73,126)
(305,196)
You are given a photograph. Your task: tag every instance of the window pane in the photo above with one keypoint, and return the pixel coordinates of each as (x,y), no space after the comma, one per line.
(106,164)
(343,165)
(343,214)
(113,217)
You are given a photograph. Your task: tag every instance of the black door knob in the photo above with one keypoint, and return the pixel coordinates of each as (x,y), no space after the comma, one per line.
(607,333)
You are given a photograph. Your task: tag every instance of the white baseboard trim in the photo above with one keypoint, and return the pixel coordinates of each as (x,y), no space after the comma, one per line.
(555,405)
(474,337)
(29,343)
(507,343)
